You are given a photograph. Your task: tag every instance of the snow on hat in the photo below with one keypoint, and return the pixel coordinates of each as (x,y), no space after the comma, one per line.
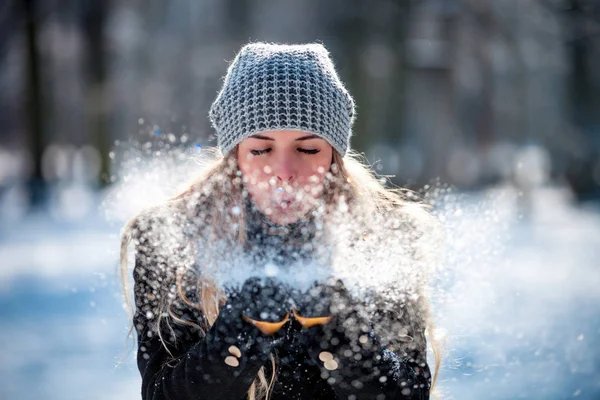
(276,87)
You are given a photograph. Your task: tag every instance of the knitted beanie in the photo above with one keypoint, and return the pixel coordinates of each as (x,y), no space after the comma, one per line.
(282,87)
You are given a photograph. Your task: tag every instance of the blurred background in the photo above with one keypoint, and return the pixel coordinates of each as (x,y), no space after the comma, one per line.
(496,100)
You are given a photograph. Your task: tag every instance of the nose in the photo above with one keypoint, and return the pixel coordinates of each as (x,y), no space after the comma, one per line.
(285,169)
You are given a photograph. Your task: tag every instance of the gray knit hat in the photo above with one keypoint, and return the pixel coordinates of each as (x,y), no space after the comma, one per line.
(275,87)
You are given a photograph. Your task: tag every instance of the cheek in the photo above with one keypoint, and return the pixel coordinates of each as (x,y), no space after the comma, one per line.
(252,169)
(312,180)
(255,178)
(315,171)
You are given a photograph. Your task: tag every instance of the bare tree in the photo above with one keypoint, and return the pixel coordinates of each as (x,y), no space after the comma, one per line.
(34,110)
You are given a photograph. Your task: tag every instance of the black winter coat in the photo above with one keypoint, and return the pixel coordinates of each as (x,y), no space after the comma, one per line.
(192,367)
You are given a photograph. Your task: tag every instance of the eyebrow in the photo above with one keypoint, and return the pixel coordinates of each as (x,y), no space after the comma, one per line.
(307,137)
(261,137)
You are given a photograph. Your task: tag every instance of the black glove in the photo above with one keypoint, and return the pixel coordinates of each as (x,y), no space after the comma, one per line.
(326,318)
(251,320)
(329,324)
(265,303)
(224,363)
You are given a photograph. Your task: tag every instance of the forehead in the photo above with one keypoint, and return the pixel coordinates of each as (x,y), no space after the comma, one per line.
(288,135)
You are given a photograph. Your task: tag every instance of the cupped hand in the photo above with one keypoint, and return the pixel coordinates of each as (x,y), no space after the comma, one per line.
(264,303)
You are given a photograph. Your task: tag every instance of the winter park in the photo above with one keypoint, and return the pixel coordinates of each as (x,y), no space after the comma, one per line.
(431,167)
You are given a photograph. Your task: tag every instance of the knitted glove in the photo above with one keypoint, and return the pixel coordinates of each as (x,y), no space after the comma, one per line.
(341,341)
(251,320)
(264,303)
(326,318)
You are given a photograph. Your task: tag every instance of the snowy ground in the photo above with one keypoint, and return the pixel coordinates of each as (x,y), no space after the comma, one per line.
(518,300)
(523,319)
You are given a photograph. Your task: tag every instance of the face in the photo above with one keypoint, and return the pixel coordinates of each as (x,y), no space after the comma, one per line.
(284,172)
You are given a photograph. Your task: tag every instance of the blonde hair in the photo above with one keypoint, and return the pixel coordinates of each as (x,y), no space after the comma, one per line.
(220,188)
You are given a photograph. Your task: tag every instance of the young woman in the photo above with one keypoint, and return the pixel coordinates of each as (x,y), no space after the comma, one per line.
(264,278)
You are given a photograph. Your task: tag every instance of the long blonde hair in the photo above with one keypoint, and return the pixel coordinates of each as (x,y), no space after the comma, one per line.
(220,188)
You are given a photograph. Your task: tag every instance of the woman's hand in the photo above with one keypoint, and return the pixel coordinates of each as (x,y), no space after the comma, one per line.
(264,303)
(330,326)
(253,317)
(327,319)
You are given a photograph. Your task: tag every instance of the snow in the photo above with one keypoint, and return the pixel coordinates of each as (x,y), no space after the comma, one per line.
(516,303)
(522,323)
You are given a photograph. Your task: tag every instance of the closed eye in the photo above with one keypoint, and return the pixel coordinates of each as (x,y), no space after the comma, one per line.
(259,152)
(309,151)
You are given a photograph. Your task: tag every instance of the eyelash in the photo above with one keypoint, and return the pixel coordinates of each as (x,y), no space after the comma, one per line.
(259,152)
(305,151)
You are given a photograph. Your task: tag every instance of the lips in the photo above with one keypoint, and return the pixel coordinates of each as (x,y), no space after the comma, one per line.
(284,200)
(286,197)
(284,204)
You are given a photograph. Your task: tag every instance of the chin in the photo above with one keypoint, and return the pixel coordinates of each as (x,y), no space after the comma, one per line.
(284,219)
(288,217)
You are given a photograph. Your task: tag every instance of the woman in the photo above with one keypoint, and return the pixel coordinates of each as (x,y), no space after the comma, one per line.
(257,282)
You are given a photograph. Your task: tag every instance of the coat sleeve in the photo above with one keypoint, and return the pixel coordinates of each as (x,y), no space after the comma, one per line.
(181,363)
